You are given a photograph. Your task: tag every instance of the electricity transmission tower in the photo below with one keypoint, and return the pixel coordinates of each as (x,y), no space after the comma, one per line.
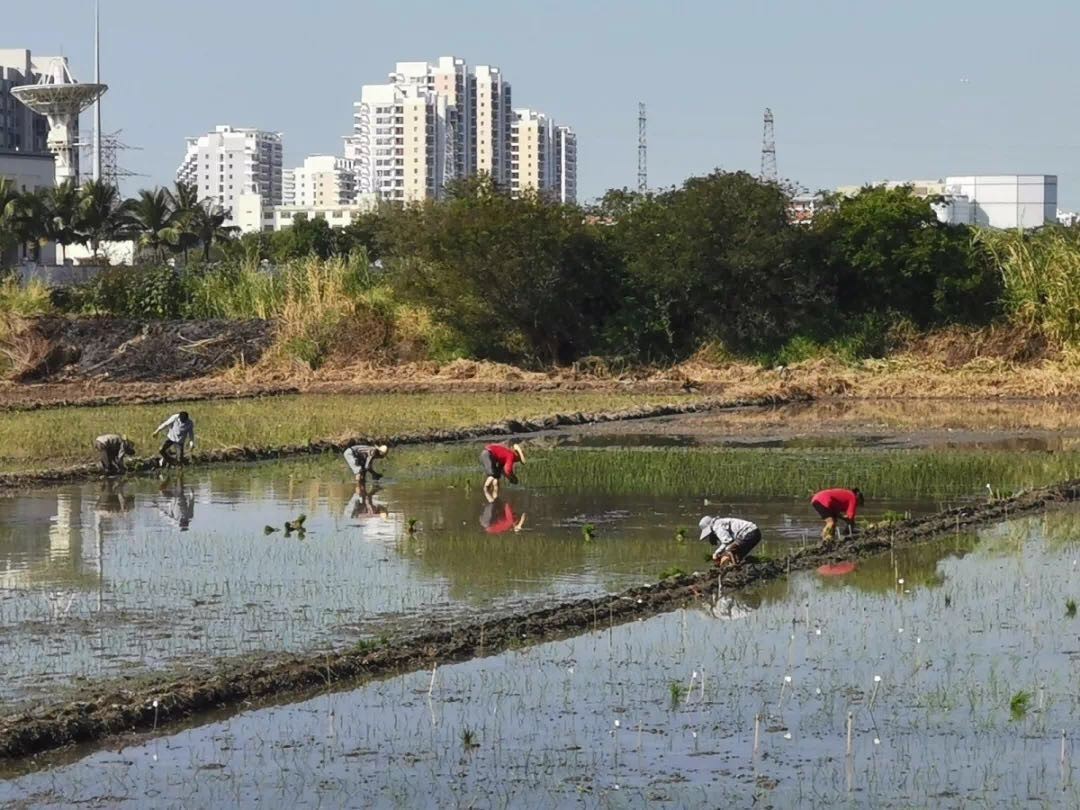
(642,152)
(768,150)
(110,145)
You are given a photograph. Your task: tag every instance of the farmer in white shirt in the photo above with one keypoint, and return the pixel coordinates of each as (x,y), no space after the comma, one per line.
(181,430)
(361,460)
(734,538)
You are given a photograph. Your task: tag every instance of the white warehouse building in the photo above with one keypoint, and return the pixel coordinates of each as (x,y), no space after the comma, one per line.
(1004,200)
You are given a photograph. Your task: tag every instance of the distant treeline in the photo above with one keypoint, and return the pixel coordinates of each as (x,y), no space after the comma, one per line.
(649,278)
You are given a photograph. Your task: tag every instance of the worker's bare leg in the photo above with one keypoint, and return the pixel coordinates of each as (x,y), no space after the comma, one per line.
(828,531)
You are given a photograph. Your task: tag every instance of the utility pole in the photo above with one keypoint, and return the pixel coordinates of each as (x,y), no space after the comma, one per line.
(642,152)
(97,80)
(768,150)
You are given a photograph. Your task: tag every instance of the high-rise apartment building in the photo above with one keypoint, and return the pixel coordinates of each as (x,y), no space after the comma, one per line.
(532,157)
(229,162)
(493,120)
(398,145)
(322,180)
(543,157)
(566,164)
(460,118)
(21,129)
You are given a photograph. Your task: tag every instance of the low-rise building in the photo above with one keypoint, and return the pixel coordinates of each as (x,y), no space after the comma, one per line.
(322,180)
(1007,200)
(254,216)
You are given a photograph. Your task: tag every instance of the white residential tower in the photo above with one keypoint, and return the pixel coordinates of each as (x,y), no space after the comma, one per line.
(229,162)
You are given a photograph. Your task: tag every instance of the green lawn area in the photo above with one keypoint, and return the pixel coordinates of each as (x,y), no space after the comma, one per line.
(45,439)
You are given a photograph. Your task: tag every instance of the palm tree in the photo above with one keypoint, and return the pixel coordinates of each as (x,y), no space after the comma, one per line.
(27,215)
(186,206)
(152,217)
(207,224)
(8,195)
(62,215)
(101,213)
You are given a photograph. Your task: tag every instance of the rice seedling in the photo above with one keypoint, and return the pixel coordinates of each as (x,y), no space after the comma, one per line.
(587,532)
(53,437)
(1070,608)
(676,691)
(1019,704)
(468,739)
(673,571)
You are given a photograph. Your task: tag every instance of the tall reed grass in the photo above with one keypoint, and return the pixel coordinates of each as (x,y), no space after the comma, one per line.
(1041,274)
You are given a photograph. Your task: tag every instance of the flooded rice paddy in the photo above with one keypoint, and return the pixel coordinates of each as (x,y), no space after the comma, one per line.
(115,578)
(943,675)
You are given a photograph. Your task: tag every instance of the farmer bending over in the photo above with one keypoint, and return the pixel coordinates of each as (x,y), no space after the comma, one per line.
(831,504)
(114,449)
(734,538)
(499,460)
(361,460)
(181,430)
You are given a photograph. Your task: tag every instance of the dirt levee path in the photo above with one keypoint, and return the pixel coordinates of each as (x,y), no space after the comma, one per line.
(112,708)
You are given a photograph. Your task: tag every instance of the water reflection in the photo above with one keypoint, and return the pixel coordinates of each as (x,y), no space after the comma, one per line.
(362,505)
(177,502)
(498,517)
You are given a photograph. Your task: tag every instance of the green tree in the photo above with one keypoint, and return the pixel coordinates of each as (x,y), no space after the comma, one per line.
(9,238)
(101,213)
(519,279)
(714,260)
(153,219)
(888,256)
(207,224)
(61,221)
(185,203)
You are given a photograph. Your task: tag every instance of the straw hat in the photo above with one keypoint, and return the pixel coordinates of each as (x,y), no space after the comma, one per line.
(705,524)
(383,449)
(518,452)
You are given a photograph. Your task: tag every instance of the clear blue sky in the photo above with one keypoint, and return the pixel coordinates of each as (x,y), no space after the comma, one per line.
(861,90)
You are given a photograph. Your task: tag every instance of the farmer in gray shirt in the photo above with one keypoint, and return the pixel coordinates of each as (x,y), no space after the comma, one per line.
(361,460)
(113,448)
(181,431)
(733,537)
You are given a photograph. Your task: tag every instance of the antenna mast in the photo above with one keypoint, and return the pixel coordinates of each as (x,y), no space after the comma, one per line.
(642,152)
(97,80)
(768,150)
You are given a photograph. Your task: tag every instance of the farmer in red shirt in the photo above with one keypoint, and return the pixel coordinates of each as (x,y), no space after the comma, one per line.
(836,503)
(499,460)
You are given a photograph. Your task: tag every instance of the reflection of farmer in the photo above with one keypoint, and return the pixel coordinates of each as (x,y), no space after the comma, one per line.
(734,538)
(113,448)
(362,505)
(722,606)
(180,504)
(831,504)
(496,521)
(112,498)
(181,431)
(499,460)
(361,460)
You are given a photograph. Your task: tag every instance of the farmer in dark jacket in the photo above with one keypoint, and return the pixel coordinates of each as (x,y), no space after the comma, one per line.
(113,448)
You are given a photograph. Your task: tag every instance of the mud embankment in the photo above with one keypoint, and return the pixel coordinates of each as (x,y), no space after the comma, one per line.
(121,708)
(507,427)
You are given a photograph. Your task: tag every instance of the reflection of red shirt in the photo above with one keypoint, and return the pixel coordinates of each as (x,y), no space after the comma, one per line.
(504,455)
(503,524)
(838,501)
